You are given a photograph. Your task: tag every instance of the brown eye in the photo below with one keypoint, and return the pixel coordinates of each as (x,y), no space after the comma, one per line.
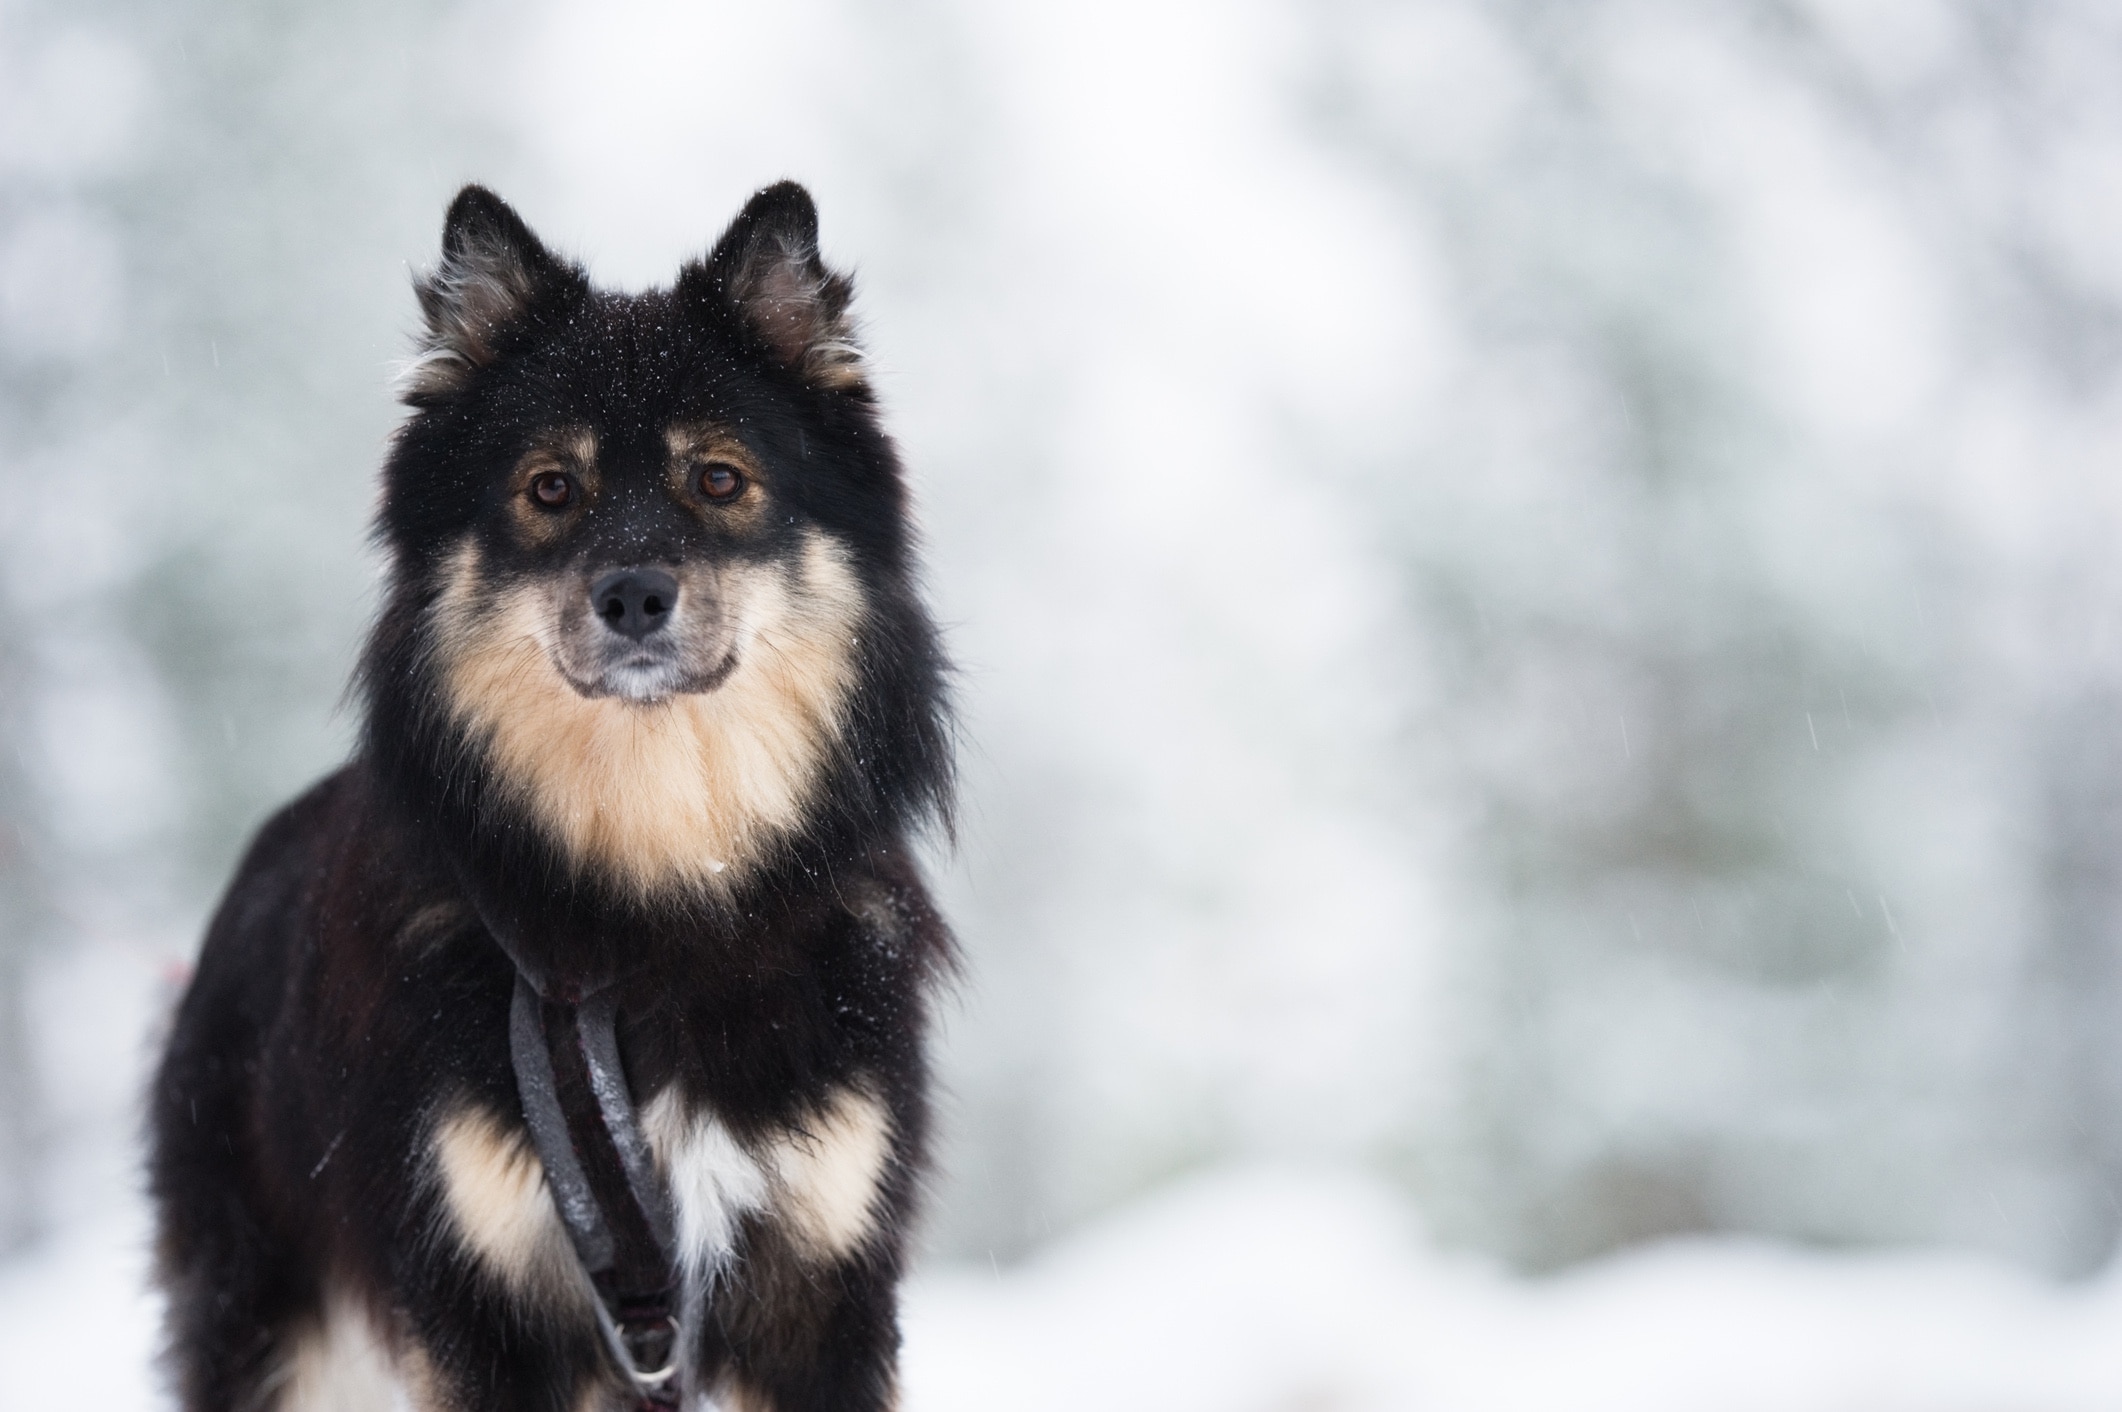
(720,482)
(552,490)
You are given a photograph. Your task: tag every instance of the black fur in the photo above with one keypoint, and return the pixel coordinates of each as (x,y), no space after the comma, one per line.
(349,992)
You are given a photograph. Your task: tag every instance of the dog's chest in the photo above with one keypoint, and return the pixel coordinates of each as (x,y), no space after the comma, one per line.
(817,1184)
(819,1179)
(715,1180)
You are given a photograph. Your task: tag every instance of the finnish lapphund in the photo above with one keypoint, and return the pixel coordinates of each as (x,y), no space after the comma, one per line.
(564,1050)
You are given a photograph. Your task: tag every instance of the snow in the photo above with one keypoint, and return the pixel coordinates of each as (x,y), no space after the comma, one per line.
(1287,1289)
(1210,331)
(76,1318)
(1290,1289)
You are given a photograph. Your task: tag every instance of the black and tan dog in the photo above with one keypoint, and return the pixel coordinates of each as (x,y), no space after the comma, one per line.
(653,709)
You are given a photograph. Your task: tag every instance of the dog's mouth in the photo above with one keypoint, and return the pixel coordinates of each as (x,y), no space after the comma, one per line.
(644,634)
(646,676)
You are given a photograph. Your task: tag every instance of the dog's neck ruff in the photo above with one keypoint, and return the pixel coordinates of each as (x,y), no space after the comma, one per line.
(614,1204)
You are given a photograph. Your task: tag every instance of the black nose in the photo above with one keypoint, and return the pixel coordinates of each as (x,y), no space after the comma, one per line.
(634,602)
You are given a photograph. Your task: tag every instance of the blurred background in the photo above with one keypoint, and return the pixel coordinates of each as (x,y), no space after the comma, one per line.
(1541,626)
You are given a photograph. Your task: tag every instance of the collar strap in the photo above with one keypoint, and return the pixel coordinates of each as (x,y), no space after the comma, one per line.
(613,1203)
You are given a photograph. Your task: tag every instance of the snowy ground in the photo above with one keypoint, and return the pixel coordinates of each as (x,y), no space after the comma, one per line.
(1265,1291)
(1269,1290)
(1243,1290)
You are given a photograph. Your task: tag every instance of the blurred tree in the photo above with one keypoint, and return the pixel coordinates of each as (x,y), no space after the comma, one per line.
(1742,556)
(205,212)
(1704,549)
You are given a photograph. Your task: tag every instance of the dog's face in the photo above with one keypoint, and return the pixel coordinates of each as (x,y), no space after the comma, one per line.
(640,528)
(649,561)
(646,566)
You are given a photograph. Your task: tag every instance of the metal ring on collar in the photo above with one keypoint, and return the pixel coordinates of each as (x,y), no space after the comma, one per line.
(621,1354)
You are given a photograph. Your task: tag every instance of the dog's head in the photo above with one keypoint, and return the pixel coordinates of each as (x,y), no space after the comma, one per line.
(651,579)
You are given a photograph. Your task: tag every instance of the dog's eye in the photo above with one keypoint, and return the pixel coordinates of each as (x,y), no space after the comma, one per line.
(552,490)
(721,482)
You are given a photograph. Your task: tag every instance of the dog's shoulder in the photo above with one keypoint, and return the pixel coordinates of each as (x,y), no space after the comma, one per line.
(286,853)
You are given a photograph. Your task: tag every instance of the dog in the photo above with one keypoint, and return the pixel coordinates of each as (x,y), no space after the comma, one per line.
(611,930)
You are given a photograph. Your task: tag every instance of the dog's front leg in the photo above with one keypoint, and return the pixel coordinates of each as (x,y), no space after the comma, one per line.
(794,1334)
(480,1350)
(500,1306)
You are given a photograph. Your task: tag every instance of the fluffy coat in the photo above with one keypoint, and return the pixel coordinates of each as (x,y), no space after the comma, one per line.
(711,813)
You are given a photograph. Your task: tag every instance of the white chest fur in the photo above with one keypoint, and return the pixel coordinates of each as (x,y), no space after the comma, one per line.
(820,1180)
(714,1182)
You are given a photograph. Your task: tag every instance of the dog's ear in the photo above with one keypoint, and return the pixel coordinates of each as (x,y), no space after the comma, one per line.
(494,274)
(766,269)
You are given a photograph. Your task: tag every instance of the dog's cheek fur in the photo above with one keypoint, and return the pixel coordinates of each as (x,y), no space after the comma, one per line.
(686,793)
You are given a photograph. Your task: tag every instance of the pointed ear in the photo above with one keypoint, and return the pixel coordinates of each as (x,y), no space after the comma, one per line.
(494,274)
(766,269)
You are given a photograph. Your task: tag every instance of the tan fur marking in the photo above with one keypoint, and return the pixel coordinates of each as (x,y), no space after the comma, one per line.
(836,363)
(494,1188)
(689,790)
(341,1364)
(826,1173)
(801,310)
(736,1396)
(433,923)
(423,1385)
(465,303)
(572,450)
(693,446)
(707,441)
